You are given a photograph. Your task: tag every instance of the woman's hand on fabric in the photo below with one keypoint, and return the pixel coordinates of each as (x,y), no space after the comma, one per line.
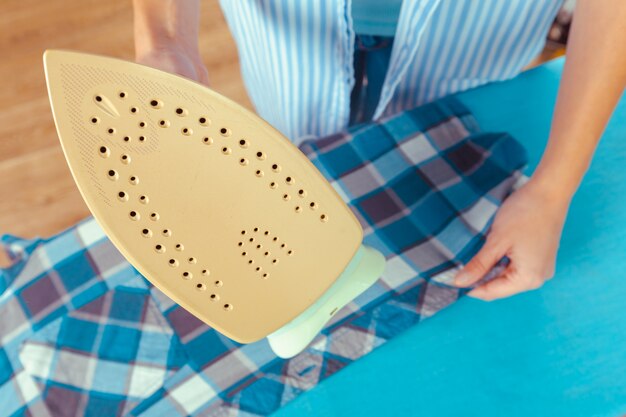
(527,229)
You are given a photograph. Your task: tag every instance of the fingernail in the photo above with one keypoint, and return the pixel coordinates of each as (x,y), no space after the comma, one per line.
(462,278)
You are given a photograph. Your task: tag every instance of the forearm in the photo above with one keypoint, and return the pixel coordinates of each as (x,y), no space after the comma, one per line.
(593,80)
(162,23)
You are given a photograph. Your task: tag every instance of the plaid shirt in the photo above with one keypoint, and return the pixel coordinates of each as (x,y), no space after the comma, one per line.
(83,334)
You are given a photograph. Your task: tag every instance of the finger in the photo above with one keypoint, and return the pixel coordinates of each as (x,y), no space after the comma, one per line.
(506,285)
(491,252)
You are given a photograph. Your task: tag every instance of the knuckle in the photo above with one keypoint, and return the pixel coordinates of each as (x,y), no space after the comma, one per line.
(527,281)
(531,280)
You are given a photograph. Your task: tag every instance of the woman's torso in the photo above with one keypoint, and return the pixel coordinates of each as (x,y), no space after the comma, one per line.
(297,56)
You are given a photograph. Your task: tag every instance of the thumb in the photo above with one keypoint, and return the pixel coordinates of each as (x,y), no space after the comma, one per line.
(491,252)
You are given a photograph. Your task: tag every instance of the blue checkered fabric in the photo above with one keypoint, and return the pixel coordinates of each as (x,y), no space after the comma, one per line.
(83,334)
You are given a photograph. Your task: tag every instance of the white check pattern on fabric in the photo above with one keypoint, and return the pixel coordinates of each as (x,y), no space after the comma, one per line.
(193,393)
(296,56)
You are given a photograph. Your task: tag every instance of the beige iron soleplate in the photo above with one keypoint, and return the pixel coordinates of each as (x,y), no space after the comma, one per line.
(208,201)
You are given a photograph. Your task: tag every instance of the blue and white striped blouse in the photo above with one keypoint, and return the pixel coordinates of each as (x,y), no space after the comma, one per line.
(297,55)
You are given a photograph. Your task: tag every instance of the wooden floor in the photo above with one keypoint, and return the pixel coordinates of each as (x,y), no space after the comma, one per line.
(38,195)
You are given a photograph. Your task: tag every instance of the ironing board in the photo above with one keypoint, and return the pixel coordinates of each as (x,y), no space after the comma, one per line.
(97,338)
(559,351)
